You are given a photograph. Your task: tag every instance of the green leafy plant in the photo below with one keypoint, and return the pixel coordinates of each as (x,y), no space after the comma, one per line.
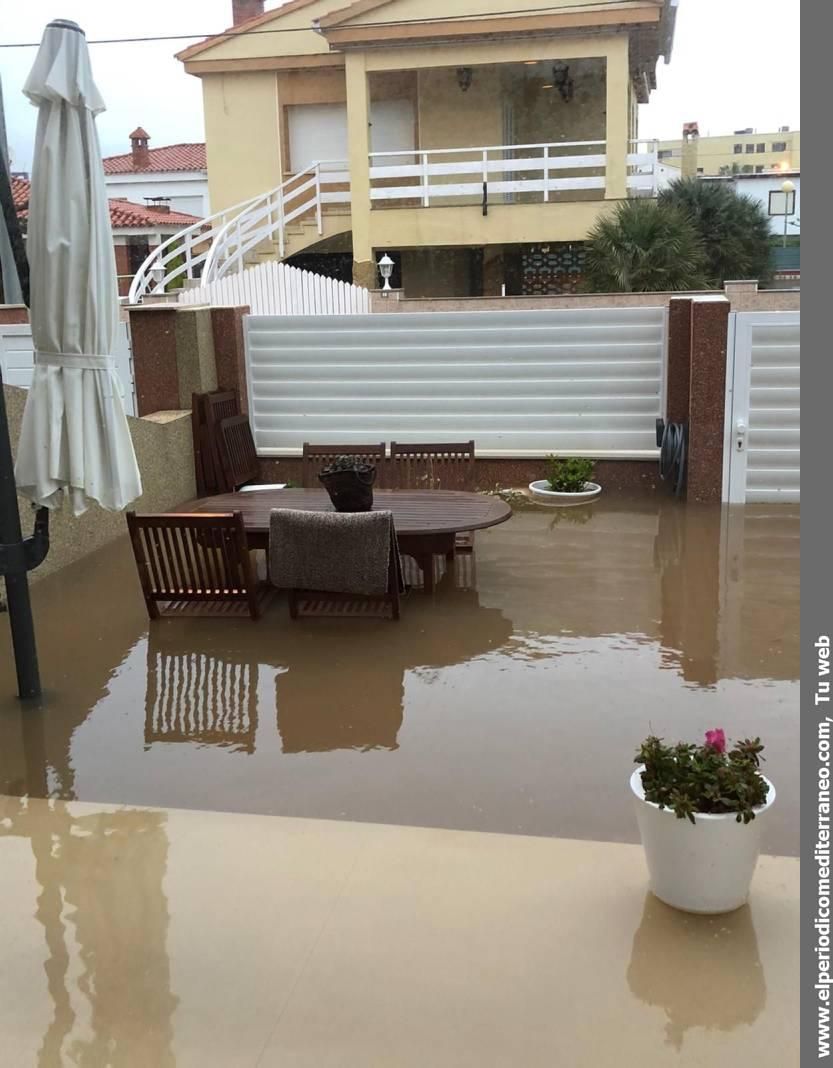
(691,779)
(644,247)
(733,228)
(570,474)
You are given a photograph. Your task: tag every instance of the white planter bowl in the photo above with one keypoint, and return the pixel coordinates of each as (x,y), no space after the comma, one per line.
(704,867)
(542,494)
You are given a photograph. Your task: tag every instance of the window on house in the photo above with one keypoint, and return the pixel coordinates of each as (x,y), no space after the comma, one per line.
(747,168)
(750,148)
(779,146)
(760,147)
(699,170)
(138,250)
(665,153)
(759,169)
(738,149)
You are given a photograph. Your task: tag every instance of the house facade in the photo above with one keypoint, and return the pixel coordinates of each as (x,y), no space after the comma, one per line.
(742,152)
(138,229)
(172,176)
(474,141)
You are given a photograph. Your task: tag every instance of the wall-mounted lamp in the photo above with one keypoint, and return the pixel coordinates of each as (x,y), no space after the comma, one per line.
(562,81)
(386,266)
(464,78)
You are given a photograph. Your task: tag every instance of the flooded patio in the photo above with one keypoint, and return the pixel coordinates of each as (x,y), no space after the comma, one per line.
(512,701)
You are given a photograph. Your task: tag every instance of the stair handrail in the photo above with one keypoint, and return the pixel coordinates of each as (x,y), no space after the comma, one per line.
(193,244)
(270,206)
(242,234)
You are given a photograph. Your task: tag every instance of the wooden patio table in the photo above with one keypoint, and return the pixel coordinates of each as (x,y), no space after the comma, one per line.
(426,520)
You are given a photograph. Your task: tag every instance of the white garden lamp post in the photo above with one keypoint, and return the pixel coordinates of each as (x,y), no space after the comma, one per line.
(386,266)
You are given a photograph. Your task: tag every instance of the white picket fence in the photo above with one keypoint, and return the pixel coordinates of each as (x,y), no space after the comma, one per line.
(274,288)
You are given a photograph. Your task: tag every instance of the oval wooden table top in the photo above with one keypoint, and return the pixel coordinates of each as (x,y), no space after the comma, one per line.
(415,512)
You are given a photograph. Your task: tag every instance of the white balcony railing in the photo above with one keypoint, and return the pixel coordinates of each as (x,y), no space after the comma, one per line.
(227,241)
(511,172)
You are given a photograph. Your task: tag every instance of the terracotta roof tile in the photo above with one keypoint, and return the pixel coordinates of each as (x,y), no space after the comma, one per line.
(184,157)
(124,214)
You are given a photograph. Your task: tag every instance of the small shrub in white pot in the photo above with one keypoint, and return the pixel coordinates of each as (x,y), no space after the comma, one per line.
(700,809)
(567,482)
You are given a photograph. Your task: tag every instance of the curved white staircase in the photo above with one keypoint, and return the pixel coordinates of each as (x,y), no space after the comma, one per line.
(305,209)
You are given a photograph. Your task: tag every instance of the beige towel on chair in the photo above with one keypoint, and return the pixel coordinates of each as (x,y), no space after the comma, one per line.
(334,552)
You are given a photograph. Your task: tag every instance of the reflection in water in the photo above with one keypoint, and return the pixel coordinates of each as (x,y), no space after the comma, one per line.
(99,883)
(703,971)
(687,557)
(197,697)
(561,631)
(354,698)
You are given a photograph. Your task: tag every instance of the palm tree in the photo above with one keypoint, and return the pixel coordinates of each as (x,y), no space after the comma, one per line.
(734,228)
(643,247)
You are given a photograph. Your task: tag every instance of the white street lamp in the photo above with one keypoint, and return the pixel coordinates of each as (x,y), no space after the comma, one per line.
(788,189)
(386,266)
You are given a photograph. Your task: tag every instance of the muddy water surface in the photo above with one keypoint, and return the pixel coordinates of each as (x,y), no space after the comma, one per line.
(511,701)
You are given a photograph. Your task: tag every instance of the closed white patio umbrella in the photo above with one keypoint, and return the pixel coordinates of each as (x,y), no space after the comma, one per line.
(74,438)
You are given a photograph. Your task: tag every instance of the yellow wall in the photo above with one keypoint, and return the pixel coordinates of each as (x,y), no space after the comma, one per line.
(242,124)
(716,152)
(424,9)
(506,224)
(449,118)
(541,115)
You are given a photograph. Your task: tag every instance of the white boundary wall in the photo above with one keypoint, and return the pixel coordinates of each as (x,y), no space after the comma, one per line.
(17,356)
(520,383)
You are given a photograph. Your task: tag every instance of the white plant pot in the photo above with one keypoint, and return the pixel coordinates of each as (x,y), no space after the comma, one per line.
(704,867)
(542,494)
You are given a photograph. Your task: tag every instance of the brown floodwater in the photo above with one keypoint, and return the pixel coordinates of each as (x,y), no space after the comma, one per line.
(513,700)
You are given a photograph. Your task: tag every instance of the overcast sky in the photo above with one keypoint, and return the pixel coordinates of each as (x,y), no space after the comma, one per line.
(735,64)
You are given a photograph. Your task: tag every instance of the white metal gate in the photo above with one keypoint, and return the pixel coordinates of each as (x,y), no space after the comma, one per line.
(17,358)
(520,383)
(763,408)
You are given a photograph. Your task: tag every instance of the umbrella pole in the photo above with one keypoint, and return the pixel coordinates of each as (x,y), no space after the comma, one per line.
(16,557)
(12,556)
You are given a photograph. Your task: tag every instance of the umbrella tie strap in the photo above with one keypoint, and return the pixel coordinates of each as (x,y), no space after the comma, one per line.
(81,361)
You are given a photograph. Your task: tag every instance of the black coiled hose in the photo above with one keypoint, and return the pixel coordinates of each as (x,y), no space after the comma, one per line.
(672,455)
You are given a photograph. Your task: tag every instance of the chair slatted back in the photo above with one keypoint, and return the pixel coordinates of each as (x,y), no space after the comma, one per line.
(192,558)
(316,457)
(437,466)
(238,455)
(207,412)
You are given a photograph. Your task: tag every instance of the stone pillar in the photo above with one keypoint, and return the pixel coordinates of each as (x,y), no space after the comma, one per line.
(678,376)
(230,351)
(358,132)
(617,82)
(196,369)
(707,397)
(153,341)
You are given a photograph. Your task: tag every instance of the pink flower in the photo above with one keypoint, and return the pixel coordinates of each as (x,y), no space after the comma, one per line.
(716,739)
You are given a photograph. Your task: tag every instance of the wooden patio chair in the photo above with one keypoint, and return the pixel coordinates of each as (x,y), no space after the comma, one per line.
(336,564)
(238,456)
(316,457)
(207,412)
(195,565)
(436,466)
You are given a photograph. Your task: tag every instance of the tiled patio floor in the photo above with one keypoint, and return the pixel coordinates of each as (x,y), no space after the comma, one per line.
(145,937)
